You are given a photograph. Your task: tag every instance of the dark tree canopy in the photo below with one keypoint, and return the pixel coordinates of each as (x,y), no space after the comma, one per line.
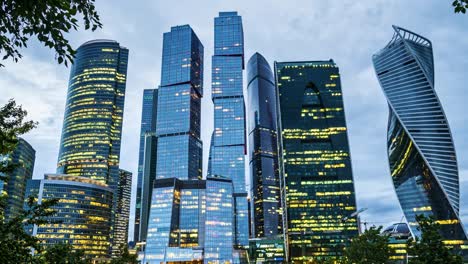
(12,125)
(430,248)
(14,237)
(15,243)
(460,6)
(370,247)
(65,254)
(48,21)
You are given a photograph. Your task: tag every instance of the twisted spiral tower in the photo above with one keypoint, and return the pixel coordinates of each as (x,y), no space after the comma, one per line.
(421,152)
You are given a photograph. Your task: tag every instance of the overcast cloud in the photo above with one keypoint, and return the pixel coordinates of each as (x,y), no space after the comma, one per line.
(346,30)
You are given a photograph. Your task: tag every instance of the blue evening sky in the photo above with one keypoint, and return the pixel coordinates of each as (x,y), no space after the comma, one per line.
(348,31)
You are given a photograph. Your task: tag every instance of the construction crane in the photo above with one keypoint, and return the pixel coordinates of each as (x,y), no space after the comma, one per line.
(346,218)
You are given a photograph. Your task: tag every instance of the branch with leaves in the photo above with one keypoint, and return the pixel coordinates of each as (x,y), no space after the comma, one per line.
(430,247)
(370,247)
(12,125)
(48,20)
(460,6)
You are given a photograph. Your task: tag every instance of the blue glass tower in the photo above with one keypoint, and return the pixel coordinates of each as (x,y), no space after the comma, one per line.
(177,212)
(148,124)
(219,222)
(149,174)
(228,143)
(315,160)
(263,148)
(179,106)
(15,187)
(421,152)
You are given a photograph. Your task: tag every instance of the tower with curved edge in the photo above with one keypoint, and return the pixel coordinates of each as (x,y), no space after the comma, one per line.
(263,148)
(421,152)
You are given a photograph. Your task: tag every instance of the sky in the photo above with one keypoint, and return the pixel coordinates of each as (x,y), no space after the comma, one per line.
(347,31)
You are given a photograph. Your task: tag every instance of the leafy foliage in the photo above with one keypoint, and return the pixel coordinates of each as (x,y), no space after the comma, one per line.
(370,247)
(48,20)
(65,254)
(460,6)
(13,235)
(12,124)
(430,248)
(125,257)
(15,243)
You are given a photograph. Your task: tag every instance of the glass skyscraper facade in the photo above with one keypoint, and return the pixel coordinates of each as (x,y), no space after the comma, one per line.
(179,152)
(92,126)
(315,160)
(191,222)
(219,227)
(263,148)
(148,124)
(83,213)
(228,143)
(149,174)
(177,212)
(176,225)
(421,152)
(122,214)
(15,187)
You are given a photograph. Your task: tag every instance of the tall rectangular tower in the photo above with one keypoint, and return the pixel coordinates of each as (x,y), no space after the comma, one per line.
(228,143)
(179,106)
(315,160)
(148,125)
(177,212)
(15,185)
(122,214)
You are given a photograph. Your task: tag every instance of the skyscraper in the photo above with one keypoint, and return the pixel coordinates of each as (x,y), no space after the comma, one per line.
(177,213)
(191,221)
(263,149)
(148,124)
(83,213)
(315,160)
(179,106)
(122,214)
(15,187)
(149,174)
(92,126)
(219,221)
(421,153)
(228,145)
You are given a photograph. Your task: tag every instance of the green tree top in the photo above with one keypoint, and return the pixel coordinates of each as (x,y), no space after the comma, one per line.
(48,20)
(460,6)
(65,254)
(430,248)
(12,125)
(369,248)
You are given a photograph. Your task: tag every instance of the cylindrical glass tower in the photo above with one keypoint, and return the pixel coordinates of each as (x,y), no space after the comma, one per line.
(92,127)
